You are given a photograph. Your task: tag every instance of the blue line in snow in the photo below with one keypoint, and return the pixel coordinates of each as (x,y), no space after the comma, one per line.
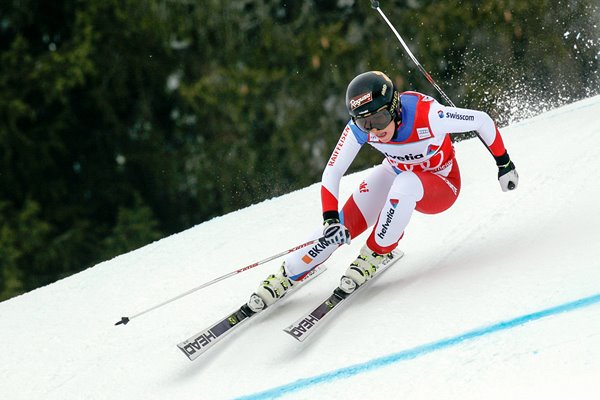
(410,354)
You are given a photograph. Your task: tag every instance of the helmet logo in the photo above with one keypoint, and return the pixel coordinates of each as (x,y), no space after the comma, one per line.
(383,89)
(360,100)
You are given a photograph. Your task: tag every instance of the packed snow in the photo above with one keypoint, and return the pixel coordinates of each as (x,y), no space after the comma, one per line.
(497,298)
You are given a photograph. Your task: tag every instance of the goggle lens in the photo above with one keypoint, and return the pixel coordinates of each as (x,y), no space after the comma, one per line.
(378,120)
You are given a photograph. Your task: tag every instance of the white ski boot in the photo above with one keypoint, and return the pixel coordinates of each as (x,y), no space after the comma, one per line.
(270,290)
(362,269)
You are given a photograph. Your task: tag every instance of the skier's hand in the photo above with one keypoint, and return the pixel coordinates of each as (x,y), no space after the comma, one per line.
(334,232)
(507,174)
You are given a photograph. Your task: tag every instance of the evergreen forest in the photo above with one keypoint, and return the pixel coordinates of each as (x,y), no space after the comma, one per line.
(124,121)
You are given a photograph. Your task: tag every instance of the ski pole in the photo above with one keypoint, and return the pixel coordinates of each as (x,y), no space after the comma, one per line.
(375,5)
(125,320)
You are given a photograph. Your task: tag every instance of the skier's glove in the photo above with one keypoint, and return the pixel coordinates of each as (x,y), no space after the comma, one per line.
(507,174)
(334,232)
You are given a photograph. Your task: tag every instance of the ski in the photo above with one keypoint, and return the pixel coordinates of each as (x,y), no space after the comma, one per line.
(207,338)
(307,324)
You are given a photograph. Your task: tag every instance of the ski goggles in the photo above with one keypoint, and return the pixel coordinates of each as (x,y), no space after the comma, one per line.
(377,120)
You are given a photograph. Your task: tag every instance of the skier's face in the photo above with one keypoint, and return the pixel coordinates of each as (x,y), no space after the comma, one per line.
(385,135)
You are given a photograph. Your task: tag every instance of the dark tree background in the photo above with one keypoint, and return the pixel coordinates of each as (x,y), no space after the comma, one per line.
(122,121)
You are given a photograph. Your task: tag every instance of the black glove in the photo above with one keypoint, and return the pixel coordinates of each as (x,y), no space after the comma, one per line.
(507,174)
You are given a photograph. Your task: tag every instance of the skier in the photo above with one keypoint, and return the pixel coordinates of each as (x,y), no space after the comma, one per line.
(419,172)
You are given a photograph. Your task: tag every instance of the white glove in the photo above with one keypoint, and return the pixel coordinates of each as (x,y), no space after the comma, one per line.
(507,174)
(509,180)
(335,233)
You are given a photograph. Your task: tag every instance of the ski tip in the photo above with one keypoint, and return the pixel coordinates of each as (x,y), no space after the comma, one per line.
(374,4)
(290,331)
(123,321)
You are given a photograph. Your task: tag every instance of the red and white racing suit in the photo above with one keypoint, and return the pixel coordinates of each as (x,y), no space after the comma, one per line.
(419,172)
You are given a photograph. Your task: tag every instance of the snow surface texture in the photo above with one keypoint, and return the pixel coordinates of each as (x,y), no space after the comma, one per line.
(502,303)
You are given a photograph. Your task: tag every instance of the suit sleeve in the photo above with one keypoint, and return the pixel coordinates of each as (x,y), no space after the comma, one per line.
(344,153)
(456,120)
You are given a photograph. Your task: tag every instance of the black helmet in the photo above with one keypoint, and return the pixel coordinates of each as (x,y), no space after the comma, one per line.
(372,93)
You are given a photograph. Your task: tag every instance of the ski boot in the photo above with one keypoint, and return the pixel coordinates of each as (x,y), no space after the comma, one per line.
(362,269)
(270,290)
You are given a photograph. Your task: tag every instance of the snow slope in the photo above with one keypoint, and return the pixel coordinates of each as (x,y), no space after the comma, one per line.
(503,303)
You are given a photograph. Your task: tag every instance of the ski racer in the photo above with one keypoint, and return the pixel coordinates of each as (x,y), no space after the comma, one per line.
(419,172)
